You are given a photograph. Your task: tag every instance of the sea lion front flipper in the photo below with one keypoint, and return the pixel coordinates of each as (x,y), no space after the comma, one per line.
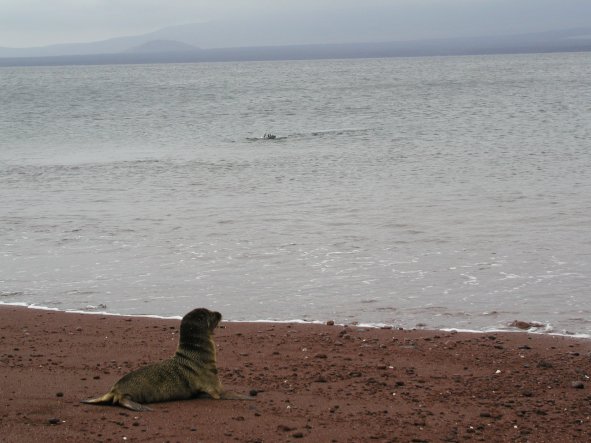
(231,395)
(128,403)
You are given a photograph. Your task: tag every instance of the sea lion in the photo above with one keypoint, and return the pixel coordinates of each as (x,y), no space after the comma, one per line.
(190,371)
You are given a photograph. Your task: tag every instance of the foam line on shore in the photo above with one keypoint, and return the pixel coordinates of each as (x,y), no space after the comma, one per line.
(547,330)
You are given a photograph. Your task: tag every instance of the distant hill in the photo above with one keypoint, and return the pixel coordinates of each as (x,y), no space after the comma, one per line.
(160,46)
(147,49)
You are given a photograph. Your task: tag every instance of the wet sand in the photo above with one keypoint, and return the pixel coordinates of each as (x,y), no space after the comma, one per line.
(310,383)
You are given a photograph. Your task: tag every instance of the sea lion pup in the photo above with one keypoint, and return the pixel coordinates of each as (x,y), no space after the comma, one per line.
(191,371)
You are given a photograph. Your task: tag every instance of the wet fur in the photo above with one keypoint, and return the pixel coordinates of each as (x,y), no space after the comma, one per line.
(190,372)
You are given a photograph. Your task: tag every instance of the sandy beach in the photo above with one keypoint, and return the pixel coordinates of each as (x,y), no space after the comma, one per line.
(310,383)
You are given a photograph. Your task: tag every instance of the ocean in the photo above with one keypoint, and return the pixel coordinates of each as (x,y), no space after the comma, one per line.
(435,192)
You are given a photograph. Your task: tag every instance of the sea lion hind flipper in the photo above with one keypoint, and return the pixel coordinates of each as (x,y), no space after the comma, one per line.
(111,398)
(107,398)
(128,403)
(231,395)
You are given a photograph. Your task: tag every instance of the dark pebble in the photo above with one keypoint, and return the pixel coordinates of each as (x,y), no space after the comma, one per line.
(578,385)
(298,435)
(59,394)
(330,323)
(54,421)
(253,392)
(544,364)
(284,428)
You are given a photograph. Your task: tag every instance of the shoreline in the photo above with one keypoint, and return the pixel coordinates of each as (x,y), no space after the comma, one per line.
(313,382)
(536,328)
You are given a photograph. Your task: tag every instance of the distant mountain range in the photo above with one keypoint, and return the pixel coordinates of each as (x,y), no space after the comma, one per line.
(184,44)
(161,46)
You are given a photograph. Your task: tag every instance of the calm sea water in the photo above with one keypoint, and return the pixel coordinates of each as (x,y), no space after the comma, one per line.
(446,192)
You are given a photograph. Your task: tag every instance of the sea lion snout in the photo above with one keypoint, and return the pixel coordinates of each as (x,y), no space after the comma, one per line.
(216,318)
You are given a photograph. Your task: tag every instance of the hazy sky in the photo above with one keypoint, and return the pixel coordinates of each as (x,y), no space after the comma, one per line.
(26,23)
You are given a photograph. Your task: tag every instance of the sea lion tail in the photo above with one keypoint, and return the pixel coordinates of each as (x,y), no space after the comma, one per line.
(107,398)
(112,398)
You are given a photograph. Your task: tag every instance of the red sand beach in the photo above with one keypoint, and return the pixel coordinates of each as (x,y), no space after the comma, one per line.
(311,383)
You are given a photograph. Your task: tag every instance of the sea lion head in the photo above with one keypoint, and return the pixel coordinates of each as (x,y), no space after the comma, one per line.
(199,322)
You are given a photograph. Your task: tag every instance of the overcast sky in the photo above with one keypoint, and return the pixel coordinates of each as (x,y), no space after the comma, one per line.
(25,23)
